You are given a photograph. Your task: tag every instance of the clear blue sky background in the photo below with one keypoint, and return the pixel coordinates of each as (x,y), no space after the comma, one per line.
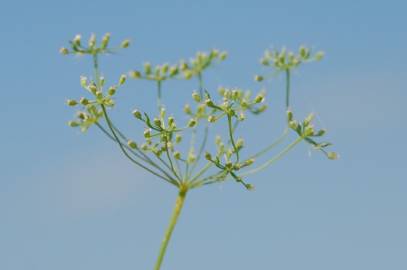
(72,201)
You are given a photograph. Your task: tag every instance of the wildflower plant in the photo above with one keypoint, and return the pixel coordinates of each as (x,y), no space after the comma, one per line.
(162,152)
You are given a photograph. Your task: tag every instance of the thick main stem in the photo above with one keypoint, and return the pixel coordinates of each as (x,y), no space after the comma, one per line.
(173,221)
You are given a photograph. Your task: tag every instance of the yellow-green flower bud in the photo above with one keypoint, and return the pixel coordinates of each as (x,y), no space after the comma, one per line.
(258,78)
(81,115)
(84,81)
(73,124)
(264,61)
(191,158)
(290,115)
(293,124)
(135,74)
(309,131)
(209,103)
(239,143)
(178,138)
(164,68)
(223,55)
(137,114)
(111,91)
(308,119)
(211,118)
(147,68)
(132,144)
(332,155)
(84,101)
(177,155)
(183,65)
(122,79)
(147,133)
(64,51)
(304,52)
(71,102)
(102,80)
(93,88)
(92,41)
(208,156)
(125,43)
(173,71)
(187,74)
(187,109)
(171,121)
(105,41)
(319,55)
(157,122)
(192,123)
(196,96)
(259,98)
(249,162)
(320,132)
(77,40)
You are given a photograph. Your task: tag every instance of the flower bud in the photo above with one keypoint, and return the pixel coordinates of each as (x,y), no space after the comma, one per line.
(293,124)
(71,102)
(192,123)
(125,43)
(319,55)
(102,80)
(147,68)
(290,115)
(137,114)
(147,133)
(187,109)
(191,158)
(309,131)
(84,101)
(84,81)
(249,162)
(171,121)
(196,96)
(132,144)
(93,88)
(92,41)
(64,51)
(332,155)
(308,119)
(122,79)
(164,68)
(264,61)
(173,71)
(99,94)
(211,118)
(77,40)
(157,122)
(209,103)
(208,156)
(183,66)
(111,91)
(73,124)
(135,74)
(105,41)
(239,143)
(258,78)
(223,55)
(304,52)
(177,155)
(187,74)
(259,98)
(81,115)
(178,138)
(320,132)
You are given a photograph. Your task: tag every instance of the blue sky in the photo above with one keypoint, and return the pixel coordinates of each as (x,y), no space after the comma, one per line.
(72,201)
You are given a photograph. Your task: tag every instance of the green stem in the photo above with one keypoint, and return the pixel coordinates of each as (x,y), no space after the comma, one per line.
(287,90)
(159,95)
(275,158)
(231,137)
(173,221)
(200,79)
